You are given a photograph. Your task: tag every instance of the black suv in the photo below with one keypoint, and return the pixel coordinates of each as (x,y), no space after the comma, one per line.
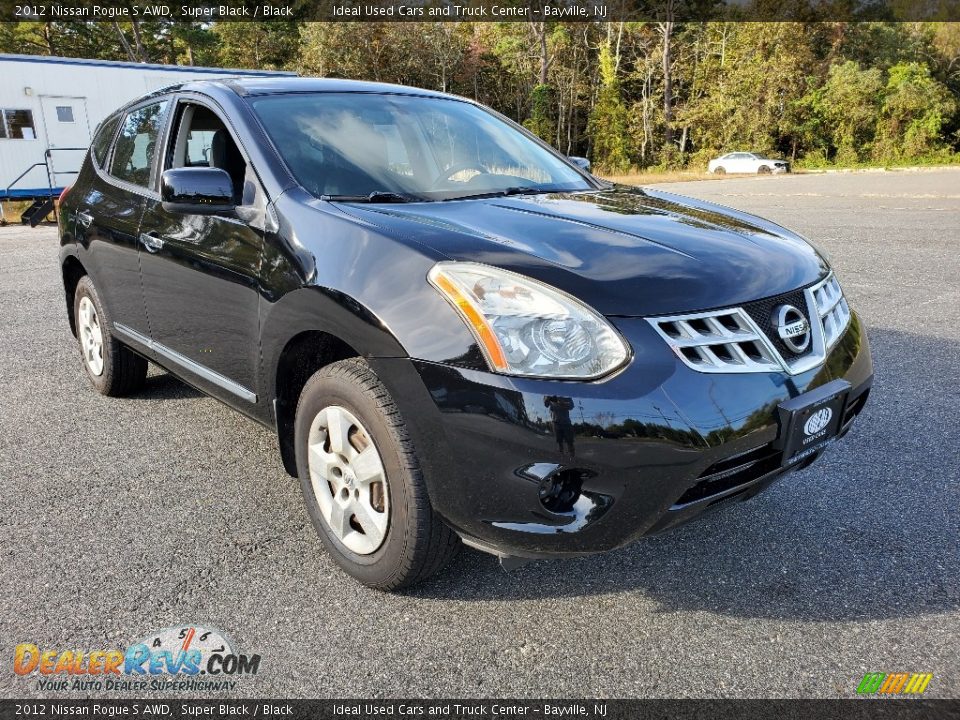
(456,333)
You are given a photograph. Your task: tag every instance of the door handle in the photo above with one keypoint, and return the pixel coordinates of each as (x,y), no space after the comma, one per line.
(151,242)
(85,218)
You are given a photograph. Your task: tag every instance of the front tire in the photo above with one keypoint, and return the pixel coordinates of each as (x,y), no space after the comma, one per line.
(361,481)
(764,170)
(113,369)
(720,171)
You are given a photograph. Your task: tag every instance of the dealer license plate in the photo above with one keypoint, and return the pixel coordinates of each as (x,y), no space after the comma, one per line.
(810,422)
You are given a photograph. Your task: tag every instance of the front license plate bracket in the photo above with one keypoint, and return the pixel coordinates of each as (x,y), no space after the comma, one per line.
(811,421)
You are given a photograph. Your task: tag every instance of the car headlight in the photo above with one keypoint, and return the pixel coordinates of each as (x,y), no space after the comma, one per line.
(527,328)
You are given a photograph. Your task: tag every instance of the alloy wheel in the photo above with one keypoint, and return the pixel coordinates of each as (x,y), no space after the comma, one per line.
(348,480)
(91,336)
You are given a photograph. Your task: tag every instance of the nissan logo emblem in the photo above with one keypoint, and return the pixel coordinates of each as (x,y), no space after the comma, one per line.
(792,328)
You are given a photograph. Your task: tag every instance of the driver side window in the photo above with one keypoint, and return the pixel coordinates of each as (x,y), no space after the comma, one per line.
(203,140)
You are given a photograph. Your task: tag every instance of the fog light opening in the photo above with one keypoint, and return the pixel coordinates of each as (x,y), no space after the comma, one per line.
(560,491)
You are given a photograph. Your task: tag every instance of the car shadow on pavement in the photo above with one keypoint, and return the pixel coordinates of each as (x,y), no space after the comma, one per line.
(870,531)
(164,386)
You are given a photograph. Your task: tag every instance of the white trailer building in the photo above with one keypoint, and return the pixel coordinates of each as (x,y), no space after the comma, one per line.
(50,107)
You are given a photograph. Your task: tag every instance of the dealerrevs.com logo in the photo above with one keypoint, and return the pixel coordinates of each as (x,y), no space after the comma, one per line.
(190,658)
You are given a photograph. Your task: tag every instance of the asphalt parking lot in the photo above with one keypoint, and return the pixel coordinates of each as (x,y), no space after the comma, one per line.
(120,517)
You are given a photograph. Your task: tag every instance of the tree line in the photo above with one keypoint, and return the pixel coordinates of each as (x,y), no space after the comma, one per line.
(626,94)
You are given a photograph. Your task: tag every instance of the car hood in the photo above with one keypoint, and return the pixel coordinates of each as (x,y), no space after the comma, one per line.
(624,251)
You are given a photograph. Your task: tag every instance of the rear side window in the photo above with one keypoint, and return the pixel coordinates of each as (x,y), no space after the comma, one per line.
(101,143)
(133,154)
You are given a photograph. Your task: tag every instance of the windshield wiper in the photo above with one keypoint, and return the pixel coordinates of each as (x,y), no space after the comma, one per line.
(513,190)
(377,196)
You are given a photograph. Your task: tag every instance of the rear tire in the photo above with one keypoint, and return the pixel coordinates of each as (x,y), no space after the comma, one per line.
(720,171)
(113,369)
(362,483)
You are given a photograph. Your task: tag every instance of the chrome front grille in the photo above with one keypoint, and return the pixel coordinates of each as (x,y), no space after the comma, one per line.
(744,339)
(832,308)
(718,341)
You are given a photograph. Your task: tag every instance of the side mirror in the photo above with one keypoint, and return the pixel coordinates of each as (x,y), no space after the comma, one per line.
(197,191)
(580,162)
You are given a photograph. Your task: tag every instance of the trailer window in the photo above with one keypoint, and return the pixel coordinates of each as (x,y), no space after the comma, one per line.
(17,124)
(133,155)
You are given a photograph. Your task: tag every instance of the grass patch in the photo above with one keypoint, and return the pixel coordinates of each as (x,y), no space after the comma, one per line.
(12,209)
(933,161)
(661,176)
(650,177)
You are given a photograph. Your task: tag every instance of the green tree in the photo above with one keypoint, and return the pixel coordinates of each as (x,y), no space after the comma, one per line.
(28,38)
(915,109)
(267,45)
(608,120)
(757,74)
(429,55)
(96,41)
(541,121)
(849,103)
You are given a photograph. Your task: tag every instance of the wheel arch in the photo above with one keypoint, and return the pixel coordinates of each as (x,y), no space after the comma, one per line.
(304,354)
(72,270)
(307,330)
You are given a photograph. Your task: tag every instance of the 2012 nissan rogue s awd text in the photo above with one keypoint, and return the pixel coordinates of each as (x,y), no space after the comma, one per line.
(456,333)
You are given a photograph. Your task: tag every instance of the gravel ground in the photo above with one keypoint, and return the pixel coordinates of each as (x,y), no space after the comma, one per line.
(120,517)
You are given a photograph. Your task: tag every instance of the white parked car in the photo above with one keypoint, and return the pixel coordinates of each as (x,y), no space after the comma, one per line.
(744,162)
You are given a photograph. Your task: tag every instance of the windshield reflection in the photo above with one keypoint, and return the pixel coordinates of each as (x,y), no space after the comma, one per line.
(362,147)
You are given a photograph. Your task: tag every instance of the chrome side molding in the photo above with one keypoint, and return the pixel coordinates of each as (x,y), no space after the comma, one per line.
(186,363)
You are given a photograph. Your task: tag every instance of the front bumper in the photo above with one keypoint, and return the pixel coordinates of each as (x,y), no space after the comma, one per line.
(653,447)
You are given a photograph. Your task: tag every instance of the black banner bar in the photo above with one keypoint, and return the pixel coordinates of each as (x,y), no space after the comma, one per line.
(476,10)
(174,708)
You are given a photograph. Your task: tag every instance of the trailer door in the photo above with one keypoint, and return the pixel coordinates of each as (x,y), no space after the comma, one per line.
(68,135)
